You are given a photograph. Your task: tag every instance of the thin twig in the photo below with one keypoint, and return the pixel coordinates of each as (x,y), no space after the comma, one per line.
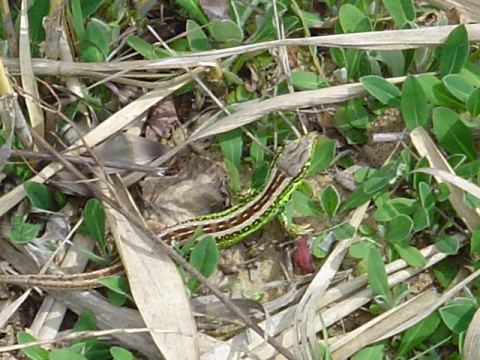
(82,160)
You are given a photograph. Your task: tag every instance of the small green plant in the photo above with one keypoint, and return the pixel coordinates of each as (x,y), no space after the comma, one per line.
(204,258)
(23,232)
(24,229)
(93,36)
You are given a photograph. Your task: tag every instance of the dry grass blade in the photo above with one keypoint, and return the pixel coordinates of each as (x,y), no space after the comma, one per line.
(426,147)
(73,336)
(453,179)
(10,308)
(29,84)
(255,110)
(7,113)
(381,40)
(155,283)
(378,40)
(247,115)
(471,348)
(431,308)
(51,314)
(304,331)
(370,332)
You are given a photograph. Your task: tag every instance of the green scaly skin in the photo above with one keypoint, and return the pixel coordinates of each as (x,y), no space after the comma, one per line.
(231,225)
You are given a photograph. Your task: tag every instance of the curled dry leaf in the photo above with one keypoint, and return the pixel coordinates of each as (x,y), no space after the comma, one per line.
(121,147)
(198,189)
(162,118)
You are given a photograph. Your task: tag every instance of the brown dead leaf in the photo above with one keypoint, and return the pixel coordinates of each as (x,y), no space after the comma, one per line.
(198,189)
(162,118)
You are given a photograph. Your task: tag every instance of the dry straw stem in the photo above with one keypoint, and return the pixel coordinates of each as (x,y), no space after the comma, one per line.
(450,178)
(54,29)
(82,160)
(432,307)
(70,337)
(12,117)
(8,28)
(7,113)
(246,115)
(379,40)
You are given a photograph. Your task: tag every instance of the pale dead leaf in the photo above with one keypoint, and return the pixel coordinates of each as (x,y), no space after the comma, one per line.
(200,183)
(156,285)
(471,346)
